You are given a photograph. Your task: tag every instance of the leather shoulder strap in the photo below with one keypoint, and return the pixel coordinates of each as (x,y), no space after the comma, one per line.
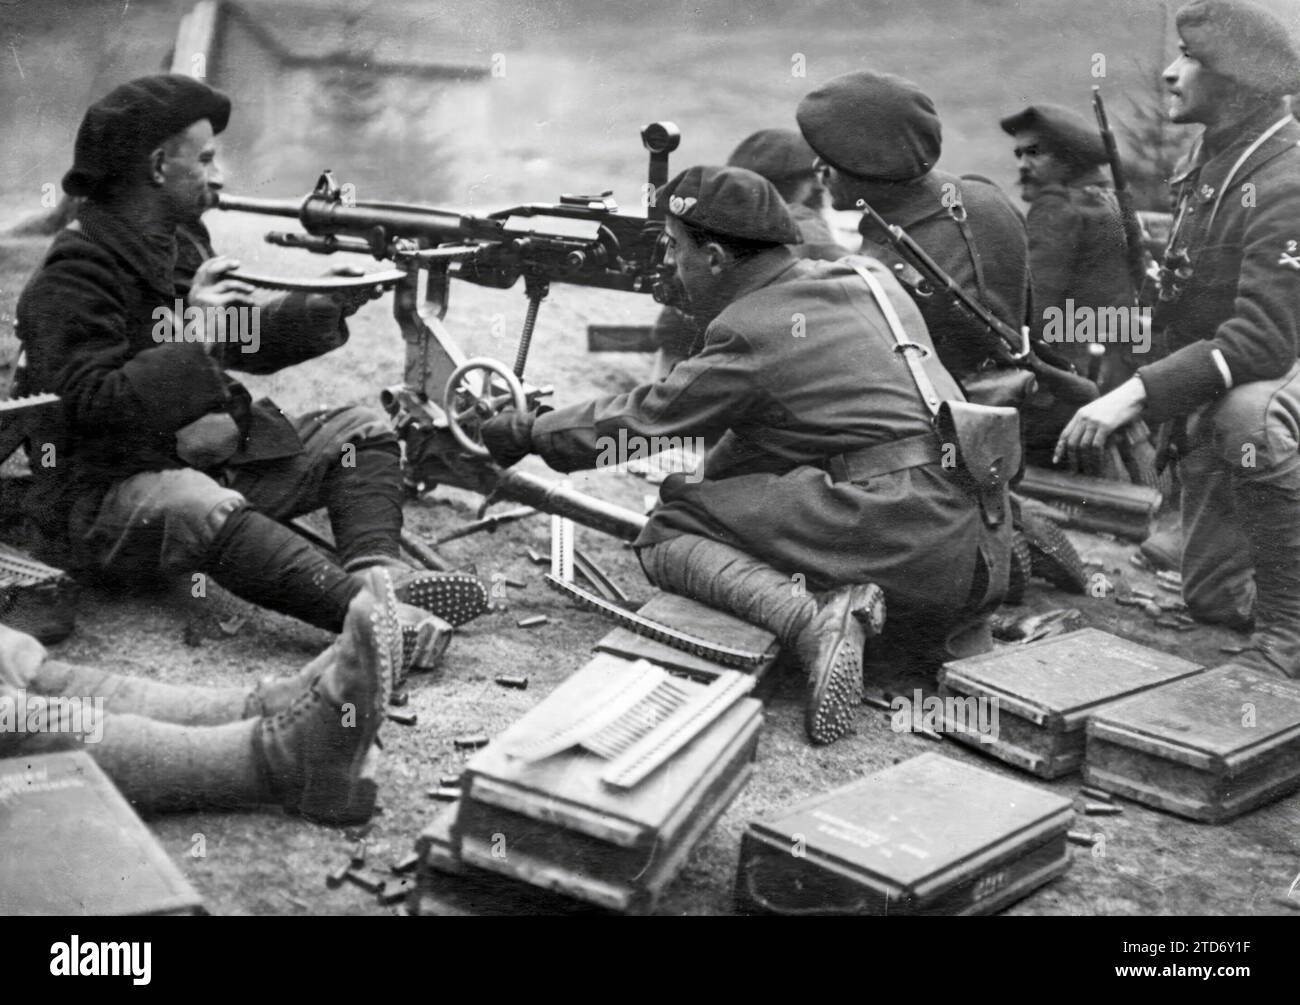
(913,352)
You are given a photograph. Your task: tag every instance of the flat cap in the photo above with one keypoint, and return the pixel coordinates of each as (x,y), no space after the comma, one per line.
(730,201)
(1067,132)
(776,154)
(133,119)
(1242,42)
(875,125)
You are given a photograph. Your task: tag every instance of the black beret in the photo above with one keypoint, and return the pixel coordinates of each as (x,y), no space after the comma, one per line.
(133,119)
(874,125)
(776,154)
(1066,132)
(730,201)
(1242,42)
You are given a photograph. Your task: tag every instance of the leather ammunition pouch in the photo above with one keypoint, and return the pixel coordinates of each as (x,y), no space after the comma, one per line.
(1000,387)
(988,450)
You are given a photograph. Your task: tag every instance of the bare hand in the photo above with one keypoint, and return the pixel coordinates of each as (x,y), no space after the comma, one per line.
(211,289)
(1083,441)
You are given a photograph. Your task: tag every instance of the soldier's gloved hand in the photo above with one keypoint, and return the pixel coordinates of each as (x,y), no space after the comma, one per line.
(509,436)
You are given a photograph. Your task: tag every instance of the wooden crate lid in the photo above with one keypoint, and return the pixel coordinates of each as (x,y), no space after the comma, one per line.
(1219,719)
(74,846)
(1063,679)
(912,827)
(567,788)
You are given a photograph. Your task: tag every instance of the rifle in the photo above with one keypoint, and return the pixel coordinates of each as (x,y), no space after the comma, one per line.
(445,396)
(1005,344)
(1132,226)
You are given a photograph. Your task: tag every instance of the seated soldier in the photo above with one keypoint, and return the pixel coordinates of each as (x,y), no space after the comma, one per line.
(157,460)
(829,473)
(783,158)
(301,742)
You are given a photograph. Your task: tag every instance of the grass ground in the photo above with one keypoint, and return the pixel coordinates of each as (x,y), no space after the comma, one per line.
(565,118)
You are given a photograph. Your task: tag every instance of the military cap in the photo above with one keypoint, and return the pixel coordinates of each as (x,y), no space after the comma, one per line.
(776,154)
(1242,42)
(874,125)
(133,119)
(729,201)
(1067,132)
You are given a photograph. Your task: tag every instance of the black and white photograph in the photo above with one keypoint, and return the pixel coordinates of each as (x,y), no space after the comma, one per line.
(703,458)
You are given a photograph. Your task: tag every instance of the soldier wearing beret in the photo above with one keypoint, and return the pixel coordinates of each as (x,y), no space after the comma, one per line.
(1229,308)
(162,462)
(783,158)
(878,138)
(828,474)
(1076,235)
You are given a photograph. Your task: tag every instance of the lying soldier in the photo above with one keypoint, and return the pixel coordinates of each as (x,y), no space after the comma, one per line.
(829,473)
(302,742)
(158,461)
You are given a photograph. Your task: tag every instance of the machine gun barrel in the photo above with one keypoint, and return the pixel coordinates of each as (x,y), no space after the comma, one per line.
(266,207)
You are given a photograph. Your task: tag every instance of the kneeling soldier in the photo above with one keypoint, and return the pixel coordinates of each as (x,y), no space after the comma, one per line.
(829,474)
(1229,306)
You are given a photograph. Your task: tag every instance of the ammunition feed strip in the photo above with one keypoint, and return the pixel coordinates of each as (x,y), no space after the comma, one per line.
(657,745)
(637,720)
(633,622)
(19,573)
(28,401)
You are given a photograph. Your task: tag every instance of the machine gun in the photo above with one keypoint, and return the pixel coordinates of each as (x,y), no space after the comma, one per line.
(445,396)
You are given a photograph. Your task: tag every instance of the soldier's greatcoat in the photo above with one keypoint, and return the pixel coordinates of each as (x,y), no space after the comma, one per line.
(798,368)
(1243,298)
(88,321)
(996,273)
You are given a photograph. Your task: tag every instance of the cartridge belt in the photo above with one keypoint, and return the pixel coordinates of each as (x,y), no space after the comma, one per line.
(885,458)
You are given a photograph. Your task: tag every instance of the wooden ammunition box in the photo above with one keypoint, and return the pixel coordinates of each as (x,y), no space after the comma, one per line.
(554,824)
(1209,747)
(928,836)
(1044,693)
(74,846)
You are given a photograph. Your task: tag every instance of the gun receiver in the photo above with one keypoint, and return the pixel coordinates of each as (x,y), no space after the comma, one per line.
(445,396)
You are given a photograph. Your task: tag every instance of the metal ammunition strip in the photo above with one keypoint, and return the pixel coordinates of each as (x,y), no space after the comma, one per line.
(18,570)
(27,401)
(620,693)
(633,622)
(659,744)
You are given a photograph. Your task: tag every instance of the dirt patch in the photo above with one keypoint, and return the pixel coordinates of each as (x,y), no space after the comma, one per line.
(269,863)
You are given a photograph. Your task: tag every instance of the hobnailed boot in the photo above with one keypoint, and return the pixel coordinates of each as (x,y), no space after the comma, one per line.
(424,640)
(315,752)
(455,597)
(1270,509)
(828,640)
(830,649)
